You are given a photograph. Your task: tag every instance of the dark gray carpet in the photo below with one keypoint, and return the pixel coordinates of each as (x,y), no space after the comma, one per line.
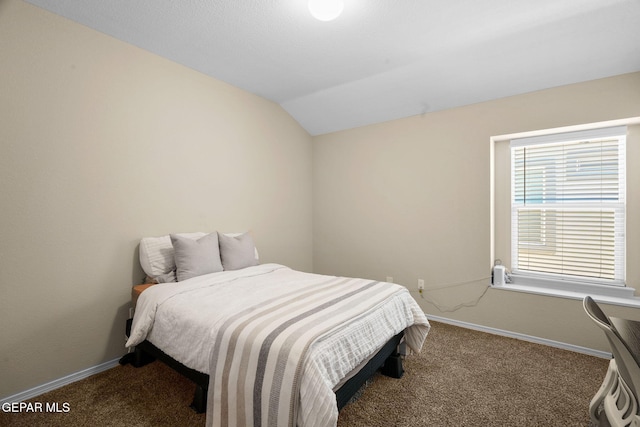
(461,378)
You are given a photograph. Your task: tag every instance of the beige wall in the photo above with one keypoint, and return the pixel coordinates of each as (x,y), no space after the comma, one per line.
(410,199)
(101,144)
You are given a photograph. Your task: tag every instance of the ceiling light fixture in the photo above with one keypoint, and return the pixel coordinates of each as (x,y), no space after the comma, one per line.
(326,10)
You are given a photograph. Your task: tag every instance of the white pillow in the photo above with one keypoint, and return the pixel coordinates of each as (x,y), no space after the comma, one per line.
(157,254)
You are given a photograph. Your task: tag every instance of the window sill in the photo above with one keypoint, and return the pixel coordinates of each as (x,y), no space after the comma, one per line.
(616,295)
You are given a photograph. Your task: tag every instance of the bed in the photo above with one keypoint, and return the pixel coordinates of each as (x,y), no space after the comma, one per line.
(265,344)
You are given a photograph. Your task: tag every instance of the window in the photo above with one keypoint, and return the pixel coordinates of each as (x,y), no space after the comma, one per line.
(568,206)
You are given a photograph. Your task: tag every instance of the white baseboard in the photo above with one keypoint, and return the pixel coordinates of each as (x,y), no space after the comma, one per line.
(52,385)
(523,337)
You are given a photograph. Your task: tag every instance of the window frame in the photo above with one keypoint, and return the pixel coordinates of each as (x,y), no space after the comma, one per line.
(499,235)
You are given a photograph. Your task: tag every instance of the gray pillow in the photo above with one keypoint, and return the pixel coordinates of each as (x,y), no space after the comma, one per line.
(196,257)
(237,252)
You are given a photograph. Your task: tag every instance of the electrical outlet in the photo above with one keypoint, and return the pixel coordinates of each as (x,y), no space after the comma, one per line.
(420,284)
(389,279)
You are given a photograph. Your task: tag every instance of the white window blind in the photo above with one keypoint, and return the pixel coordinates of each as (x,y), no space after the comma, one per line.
(568,206)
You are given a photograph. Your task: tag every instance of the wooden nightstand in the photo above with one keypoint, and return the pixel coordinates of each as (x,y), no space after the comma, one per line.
(137,290)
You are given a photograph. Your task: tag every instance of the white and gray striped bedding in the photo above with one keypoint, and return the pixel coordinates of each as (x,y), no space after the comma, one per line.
(275,341)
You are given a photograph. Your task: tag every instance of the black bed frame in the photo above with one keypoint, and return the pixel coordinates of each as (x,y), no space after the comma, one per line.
(387,359)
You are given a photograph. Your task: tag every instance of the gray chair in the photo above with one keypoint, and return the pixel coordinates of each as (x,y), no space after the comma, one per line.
(619,390)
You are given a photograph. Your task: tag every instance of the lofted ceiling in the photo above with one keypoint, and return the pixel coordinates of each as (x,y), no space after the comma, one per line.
(381,59)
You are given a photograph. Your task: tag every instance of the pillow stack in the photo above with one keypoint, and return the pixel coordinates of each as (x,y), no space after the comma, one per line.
(179,257)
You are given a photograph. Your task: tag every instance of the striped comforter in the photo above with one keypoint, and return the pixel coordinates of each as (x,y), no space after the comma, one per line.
(276,341)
